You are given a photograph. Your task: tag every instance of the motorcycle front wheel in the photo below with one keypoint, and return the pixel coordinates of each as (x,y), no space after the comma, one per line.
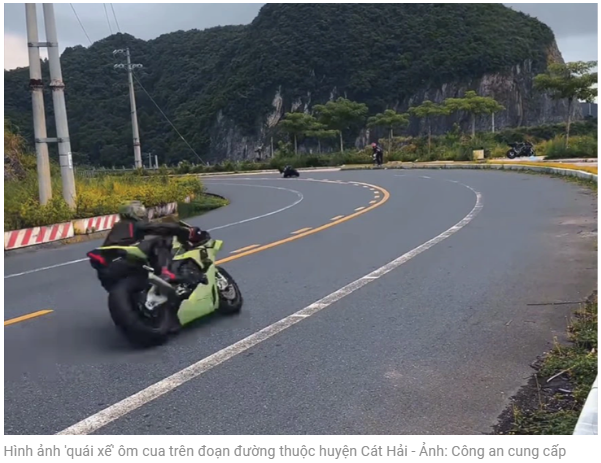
(511,154)
(230,297)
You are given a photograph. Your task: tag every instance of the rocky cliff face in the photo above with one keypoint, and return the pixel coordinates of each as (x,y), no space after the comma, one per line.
(513,88)
(226,88)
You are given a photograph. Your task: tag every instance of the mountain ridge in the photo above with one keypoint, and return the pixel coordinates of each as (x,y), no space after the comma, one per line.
(226,87)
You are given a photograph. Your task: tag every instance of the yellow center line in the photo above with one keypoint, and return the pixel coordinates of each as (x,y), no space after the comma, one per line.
(300,231)
(26,317)
(313,230)
(339,216)
(246,248)
(243,252)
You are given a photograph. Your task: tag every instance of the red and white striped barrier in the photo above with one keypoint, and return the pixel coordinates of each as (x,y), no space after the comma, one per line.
(38,235)
(31,236)
(161,211)
(95,224)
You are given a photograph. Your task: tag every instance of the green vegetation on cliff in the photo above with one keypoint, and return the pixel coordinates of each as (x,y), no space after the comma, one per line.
(370,53)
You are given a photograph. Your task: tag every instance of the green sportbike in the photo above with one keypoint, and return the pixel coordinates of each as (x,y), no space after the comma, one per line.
(142,304)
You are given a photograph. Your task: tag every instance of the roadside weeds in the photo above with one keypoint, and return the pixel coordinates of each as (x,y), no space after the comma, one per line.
(551,402)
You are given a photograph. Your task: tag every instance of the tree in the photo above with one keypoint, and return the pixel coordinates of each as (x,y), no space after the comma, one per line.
(320,132)
(426,111)
(473,104)
(573,81)
(390,119)
(342,115)
(296,124)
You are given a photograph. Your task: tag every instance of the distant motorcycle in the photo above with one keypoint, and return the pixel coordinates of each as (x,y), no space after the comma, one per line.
(520,150)
(289,171)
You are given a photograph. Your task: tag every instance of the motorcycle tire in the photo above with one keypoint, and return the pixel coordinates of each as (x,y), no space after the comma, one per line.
(511,154)
(231,304)
(129,316)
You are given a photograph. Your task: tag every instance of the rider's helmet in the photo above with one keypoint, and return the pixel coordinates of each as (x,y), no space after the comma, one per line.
(374,145)
(133,210)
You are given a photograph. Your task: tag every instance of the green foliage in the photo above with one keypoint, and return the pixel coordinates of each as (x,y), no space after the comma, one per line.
(546,132)
(579,147)
(573,81)
(390,120)
(95,196)
(319,132)
(569,81)
(427,110)
(98,195)
(343,115)
(369,52)
(297,124)
(199,206)
(473,104)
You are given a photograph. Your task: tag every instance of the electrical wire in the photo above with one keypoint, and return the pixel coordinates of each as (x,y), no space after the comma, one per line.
(140,83)
(166,118)
(106,13)
(115,16)
(80,23)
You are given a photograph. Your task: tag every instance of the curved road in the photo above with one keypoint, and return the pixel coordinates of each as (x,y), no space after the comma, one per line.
(411,302)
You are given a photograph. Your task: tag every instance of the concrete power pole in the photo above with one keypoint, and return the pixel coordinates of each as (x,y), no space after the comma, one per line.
(37,100)
(60,109)
(132,102)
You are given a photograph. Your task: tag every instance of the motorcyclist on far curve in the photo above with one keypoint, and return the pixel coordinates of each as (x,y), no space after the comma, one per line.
(378,153)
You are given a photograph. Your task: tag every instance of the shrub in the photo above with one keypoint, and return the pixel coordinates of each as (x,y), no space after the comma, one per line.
(579,147)
(101,195)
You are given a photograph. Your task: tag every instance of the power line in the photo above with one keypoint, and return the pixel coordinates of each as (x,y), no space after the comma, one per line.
(142,87)
(107,18)
(166,118)
(80,23)
(115,16)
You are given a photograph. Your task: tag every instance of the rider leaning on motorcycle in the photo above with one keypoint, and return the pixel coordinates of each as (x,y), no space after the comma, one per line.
(134,229)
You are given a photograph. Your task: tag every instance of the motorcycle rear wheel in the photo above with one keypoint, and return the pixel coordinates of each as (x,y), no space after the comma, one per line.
(140,326)
(511,154)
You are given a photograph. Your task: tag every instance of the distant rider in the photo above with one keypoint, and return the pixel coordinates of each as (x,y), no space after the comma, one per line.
(378,153)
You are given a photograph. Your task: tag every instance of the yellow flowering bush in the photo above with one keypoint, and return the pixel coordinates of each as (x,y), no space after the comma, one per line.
(95,196)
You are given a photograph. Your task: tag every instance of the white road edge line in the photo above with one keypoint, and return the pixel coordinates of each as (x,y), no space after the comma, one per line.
(135,401)
(44,268)
(298,193)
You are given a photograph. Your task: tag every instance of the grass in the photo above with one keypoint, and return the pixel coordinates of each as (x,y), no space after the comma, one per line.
(201,205)
(553,399)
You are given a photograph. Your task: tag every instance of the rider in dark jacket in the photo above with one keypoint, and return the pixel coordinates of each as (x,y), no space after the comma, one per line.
(378,152)
(154,239)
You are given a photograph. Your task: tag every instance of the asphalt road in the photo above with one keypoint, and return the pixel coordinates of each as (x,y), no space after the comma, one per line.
(434,346)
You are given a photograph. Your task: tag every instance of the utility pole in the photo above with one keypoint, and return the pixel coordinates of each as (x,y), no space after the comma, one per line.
(156,161)
(60,110)
(37,101)
(132,103)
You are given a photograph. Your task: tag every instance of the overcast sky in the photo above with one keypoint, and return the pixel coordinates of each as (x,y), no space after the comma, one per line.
(574,24)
